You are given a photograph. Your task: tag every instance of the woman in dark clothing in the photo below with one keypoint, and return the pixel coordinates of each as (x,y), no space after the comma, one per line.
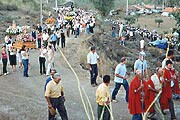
(12,58)
(62,39)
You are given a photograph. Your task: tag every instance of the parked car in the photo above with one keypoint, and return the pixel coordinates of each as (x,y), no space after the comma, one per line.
(148,12)
(141,11)
(156,11)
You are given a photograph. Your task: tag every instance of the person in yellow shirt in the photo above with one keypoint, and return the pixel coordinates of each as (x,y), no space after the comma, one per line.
(54,95)
(103,99)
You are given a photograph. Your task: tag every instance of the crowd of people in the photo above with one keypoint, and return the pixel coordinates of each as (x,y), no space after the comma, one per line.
(47,38)
(130,33)
(141,92)
(143,89)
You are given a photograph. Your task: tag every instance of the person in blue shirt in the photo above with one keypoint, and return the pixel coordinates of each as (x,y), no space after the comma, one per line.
(53,71)
(120,79)
(141,64)
(54,39)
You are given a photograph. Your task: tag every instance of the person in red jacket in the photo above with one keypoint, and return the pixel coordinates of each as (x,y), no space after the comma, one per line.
(175,83)
(154,87)
(166,100)
(135,96)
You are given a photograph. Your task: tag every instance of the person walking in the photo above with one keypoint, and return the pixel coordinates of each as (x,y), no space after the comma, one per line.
(135,99)
(103,99)
(170,56)
(4,60)
(42,59)
(54,39)
(166,100)
(141,64)
(154,87)
(49,78)
(54,95)
(92,59)
(63,39)
(39,39)
(58,33)
(45,37)
(50,59)
(19,56)
(120,79)
(25,60)
(12,58)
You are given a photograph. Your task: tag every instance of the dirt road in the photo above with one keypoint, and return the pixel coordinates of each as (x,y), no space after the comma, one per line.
(23,98)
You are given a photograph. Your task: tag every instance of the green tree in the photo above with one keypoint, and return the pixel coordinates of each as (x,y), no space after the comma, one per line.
(172,3)
(159,21)
(176,15)
(104,6)
(137,16)
(130,19)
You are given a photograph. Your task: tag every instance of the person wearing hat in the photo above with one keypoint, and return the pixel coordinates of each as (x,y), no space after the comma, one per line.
(141,64)
(54,95)
(92,59)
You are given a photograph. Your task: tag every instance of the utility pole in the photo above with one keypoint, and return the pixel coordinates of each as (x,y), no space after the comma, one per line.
(41,12)
(127,7)
(163,5)
(56,6)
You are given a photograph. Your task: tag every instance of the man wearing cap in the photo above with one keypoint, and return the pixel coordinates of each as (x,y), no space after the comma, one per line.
(92,59)
(141,64)
(54,95)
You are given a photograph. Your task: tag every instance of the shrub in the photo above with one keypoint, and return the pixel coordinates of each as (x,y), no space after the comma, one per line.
(159,21)
(11,8)
(104,6)
(130,19)
(8,7)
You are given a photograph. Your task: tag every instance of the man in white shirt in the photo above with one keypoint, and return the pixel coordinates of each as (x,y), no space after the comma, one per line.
(142,45)
(120,79)
(170,56)
(120,29)
(45,38)
(92,59)
(154,87)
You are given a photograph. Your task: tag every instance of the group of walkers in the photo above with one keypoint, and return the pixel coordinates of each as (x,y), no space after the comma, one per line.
(141,92)
(143,89)
(130,33)
(9,52)
(47,38)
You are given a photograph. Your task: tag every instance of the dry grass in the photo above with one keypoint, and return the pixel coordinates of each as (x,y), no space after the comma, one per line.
(148,21)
